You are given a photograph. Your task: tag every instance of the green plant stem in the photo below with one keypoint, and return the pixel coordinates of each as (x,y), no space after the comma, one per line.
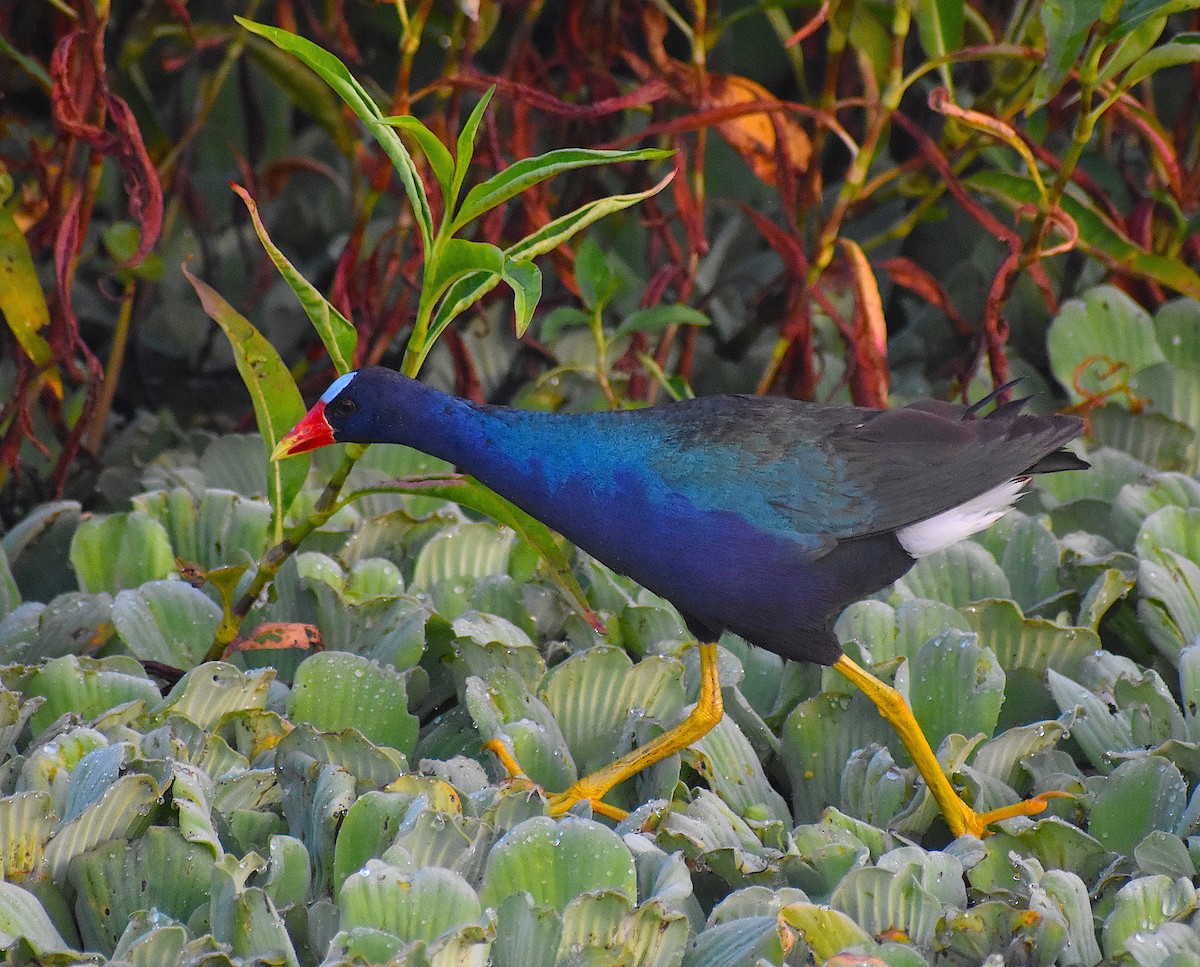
(112,372)
(326,506)
(597,326)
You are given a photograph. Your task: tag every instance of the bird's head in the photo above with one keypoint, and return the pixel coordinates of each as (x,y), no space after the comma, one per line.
(330,420)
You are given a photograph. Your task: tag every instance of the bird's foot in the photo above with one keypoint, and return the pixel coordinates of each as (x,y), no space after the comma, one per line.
(584,790)
(965,821)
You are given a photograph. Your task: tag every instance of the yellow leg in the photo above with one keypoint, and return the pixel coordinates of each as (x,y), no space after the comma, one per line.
(593,788)
(959,816)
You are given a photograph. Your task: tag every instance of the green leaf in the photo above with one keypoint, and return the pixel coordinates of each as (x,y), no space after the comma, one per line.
(419,905)
(1131,48)
(1140,796)
(562,229)
(524,174)
(1100,341)
(597,281)
(118,551)
(436,153)
(940,23)
(956,686)
(335,74)
(657,318)
(1067,24)
(87,687)
(160,870)
(333,691)
(278,405)
(336,331)
(554,861)
(525,280)
(21,299)
(465,151)
(22,916)
(1183,49)
(166,621)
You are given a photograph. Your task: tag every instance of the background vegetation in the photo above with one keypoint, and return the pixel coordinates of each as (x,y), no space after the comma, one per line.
(242,709)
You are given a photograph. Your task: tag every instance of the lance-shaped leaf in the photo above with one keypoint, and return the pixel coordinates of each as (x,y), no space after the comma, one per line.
(335,74)
(336,331)
(277,403)
(524,174)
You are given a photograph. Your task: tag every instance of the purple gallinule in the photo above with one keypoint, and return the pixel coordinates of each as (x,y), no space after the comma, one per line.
(761,516)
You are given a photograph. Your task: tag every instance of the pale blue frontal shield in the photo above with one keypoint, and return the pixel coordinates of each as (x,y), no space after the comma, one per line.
(336,387)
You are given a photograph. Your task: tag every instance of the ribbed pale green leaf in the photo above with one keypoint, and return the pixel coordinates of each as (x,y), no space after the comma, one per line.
(214,689)
(873,787)
(825,930)
(557,860)
(1068,896)
(1153,438)
(1189,688)
(1097,731)
(961,573)
(462,552)
(333,691)
(245,918)
(1177,325)
(1170,606)
(956,686)
(166,621)
(526,935)
(118,814)
(738,943)
(421,905)
(1110,587)
(1171,944)
(881,901)
(727,761)
(217,528)
(234,462)
(1138,797)
(1001,757)
(151,940)
(347,750)
(159,870)
(120,551)
(433,839)
(503,708)
(1172,390)
(22,916)
(1164,854)
(369,828)
(27,820)
(487,642)
(37,546)
(816,743)
(14,713)
(87,687)
(598,695)
(1104,328)
(1144,905)
(1030,643)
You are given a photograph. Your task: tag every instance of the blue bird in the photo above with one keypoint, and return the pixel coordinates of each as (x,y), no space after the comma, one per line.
(756,515)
